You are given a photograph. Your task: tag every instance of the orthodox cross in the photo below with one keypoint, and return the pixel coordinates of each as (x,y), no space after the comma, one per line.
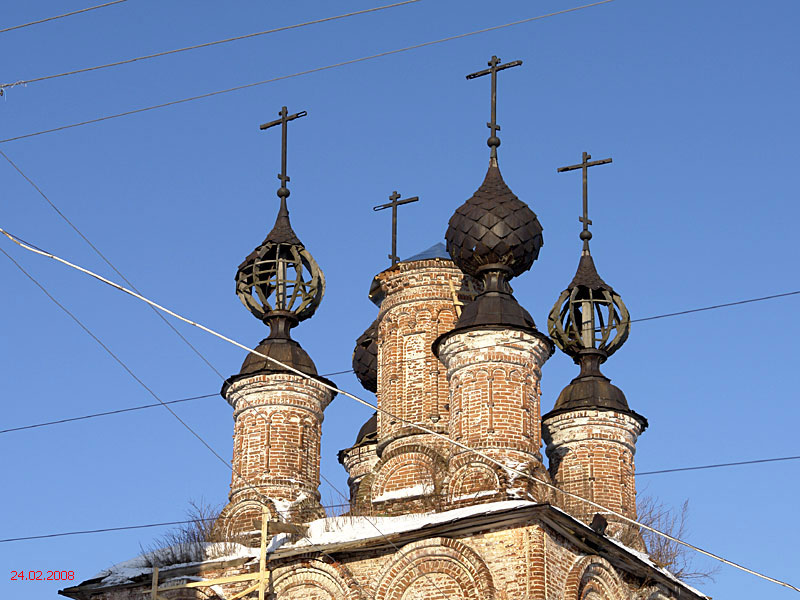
(393,205)
(494,67)
(586,235)
(283,191)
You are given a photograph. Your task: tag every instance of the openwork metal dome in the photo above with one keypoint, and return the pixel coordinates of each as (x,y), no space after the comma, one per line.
(589,314)
(280,275)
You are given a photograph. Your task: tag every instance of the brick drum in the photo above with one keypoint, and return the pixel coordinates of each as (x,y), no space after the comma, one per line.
(494,379)
(591,455)
(276,453)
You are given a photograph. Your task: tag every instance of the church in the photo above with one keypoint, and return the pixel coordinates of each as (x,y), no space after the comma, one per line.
(449,494)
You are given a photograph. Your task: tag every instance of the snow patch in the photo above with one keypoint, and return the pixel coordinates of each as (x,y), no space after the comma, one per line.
(409,492)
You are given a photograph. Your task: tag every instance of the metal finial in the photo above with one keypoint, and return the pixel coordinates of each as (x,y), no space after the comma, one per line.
(586,235)
(285,117)
(494,66)
(393,205)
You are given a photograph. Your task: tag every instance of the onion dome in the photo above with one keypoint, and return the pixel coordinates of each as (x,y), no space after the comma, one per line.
(369,431)
(365,358)
(494,227)
(493,237)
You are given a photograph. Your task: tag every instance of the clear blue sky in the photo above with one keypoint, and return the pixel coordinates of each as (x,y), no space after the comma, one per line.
(695,101)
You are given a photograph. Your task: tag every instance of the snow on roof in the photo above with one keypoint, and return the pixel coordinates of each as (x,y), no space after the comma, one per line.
(126,571)
(337,530)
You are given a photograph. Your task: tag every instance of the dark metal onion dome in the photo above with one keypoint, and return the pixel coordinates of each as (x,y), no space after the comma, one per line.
(365,358)
(494,227)
(369,431)
(493,237)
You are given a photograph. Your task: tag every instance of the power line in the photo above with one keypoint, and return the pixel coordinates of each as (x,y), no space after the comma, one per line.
(248,486)
(299,73)
(69,14)
(205,45)
(127,527)
(718,465)
(114,356)
(417,426)
(104,414)
(107,261)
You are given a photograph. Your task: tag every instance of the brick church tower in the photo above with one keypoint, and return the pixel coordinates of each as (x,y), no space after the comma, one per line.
(591,433)
(278,411)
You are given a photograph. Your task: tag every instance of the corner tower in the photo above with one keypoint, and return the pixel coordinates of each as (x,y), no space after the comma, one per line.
(278,401)
(591,432)
(494,354)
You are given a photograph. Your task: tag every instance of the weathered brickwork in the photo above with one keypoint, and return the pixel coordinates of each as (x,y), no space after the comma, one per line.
(591,455)
(494,379)
(419,304)
(276,453)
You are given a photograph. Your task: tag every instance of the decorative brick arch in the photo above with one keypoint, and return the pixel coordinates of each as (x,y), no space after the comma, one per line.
(317,580)
(238,516)
(472,475)
(593,578)
(436,569)
(407,467)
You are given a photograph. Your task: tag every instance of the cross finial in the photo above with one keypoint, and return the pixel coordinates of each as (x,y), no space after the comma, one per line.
(584,165)
(285,117)
(494,66)
(393,205)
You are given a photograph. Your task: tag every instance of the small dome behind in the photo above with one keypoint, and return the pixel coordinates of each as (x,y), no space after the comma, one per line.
(365,358)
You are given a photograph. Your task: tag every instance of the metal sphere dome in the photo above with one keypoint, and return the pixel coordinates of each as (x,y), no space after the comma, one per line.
(280,275)
(589,315)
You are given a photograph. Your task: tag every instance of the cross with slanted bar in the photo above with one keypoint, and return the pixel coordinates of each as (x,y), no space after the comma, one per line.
(283,191)
(586,235)
(494,66)
(393,205)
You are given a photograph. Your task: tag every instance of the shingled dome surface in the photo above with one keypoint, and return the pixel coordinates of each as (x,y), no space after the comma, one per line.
(494,226)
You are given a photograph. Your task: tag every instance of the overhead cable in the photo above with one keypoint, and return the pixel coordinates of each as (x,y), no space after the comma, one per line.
(264,500)
(298,74)
(108,262)
(69,14)
(204,45)
(422,428)
(103,414)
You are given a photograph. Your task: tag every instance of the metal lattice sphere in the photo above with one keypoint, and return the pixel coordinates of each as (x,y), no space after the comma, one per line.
(280,275)
(589,314)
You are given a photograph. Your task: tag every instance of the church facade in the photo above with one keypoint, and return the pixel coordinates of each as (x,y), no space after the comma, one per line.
(449,494)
